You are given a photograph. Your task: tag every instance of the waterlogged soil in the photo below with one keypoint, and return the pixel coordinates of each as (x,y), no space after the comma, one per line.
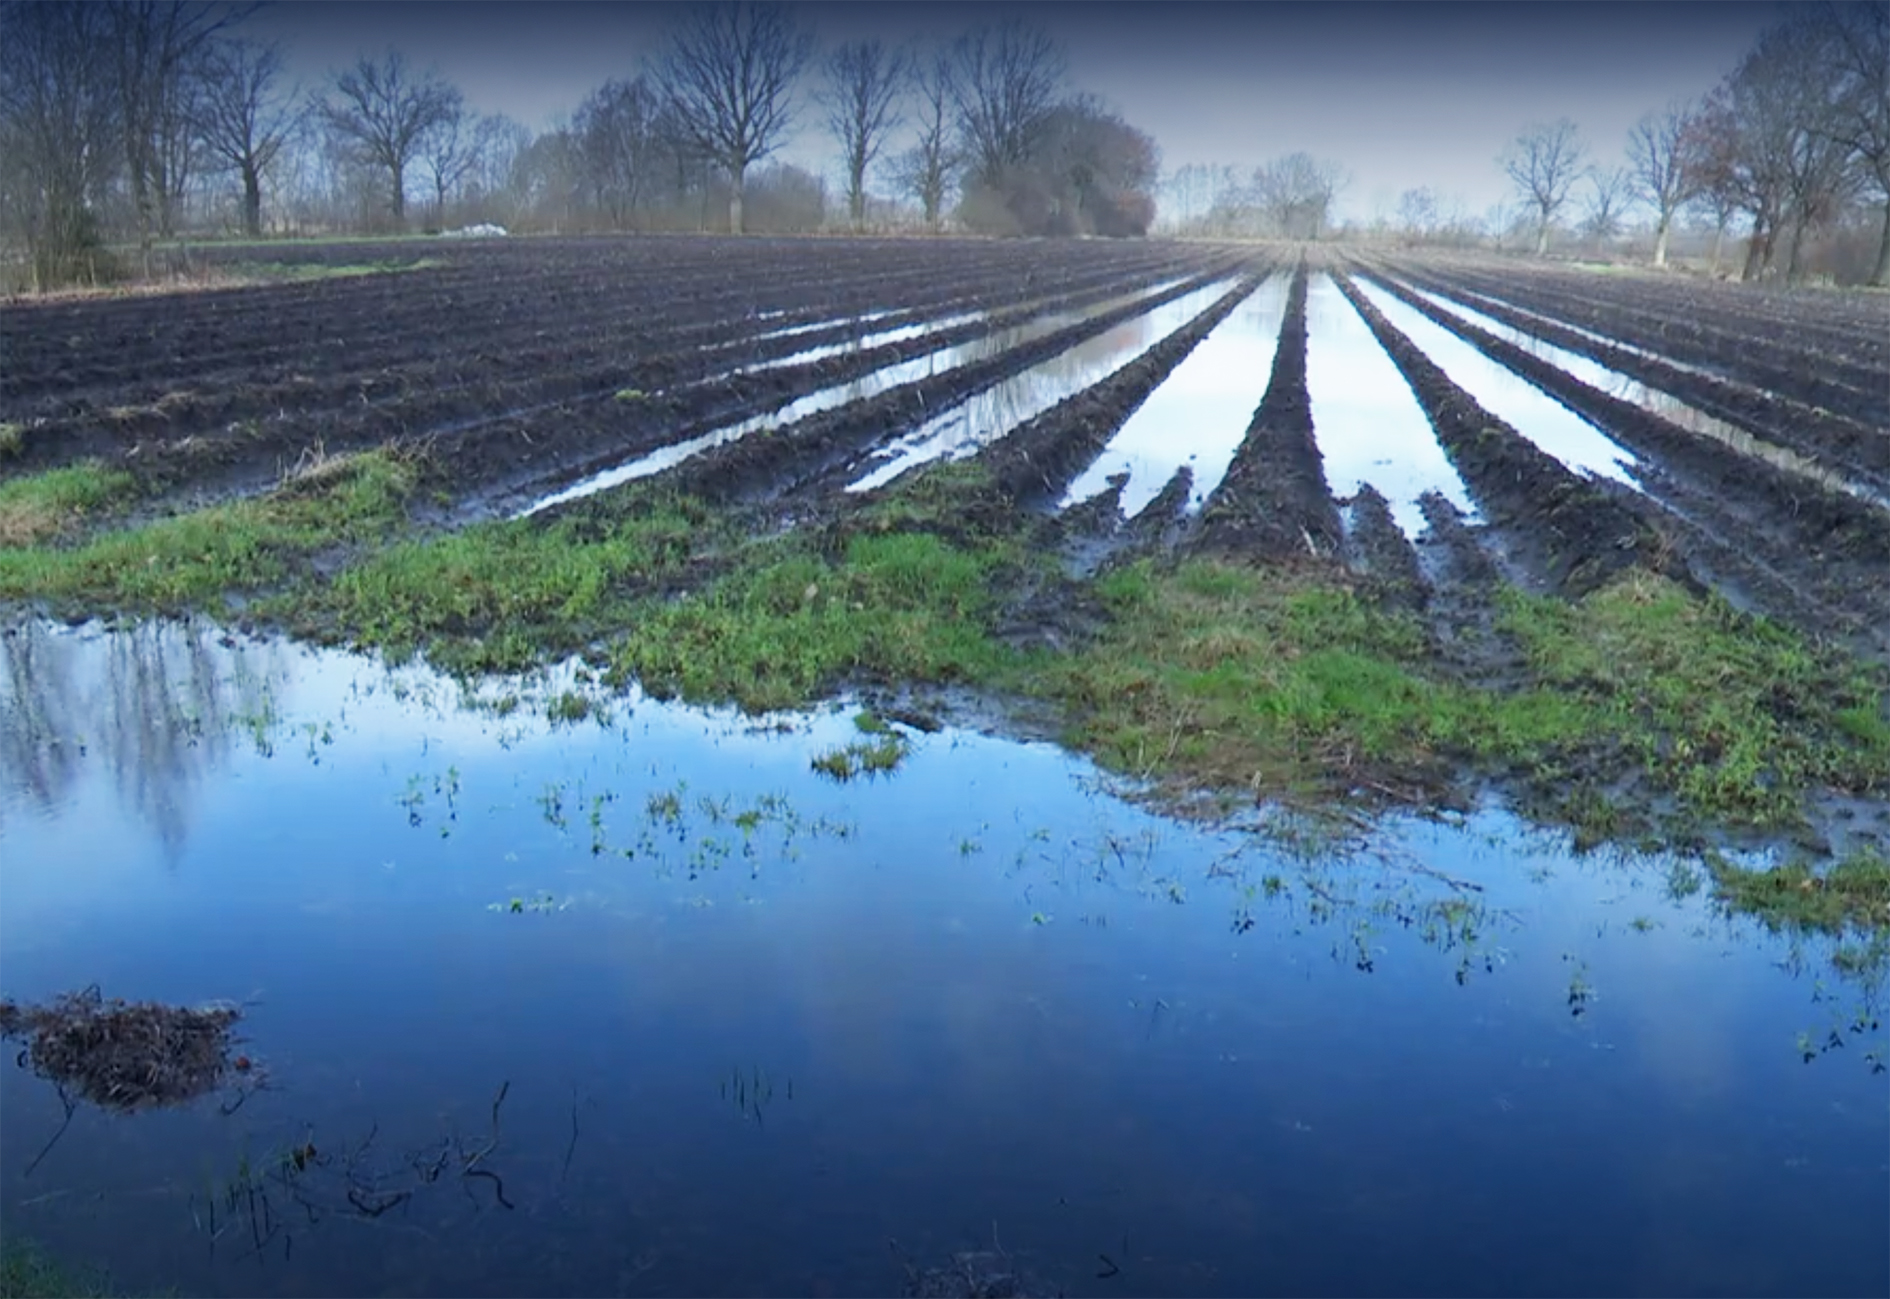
(638,1002)
(1773,535)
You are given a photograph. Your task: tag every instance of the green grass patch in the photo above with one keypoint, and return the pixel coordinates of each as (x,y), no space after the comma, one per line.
(878,757)
(791,624)
(12,439)
(1222,676)
(1850,894)
(504,596)
(301,272)
(1736,715)
(41,506)
(194,560)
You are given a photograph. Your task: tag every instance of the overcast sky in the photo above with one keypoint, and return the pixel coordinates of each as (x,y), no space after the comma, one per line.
(1401,94)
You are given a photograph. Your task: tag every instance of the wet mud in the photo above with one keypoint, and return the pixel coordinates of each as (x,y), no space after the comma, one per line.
(1273,501)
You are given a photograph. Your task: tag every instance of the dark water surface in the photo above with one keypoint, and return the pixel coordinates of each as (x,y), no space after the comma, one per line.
(979,1004)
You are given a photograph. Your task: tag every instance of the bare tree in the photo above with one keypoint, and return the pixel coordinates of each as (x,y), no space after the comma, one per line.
(58,141)
(155,47)
(241,120)
(450,149)
(1768,143)
(925,170)
(1543,162)
(1664,163)
(1417,213)
(620,137)
(1296,193)
(1608,191)
(728,73)
(384,112)
(1857,37)
(1004,81)
(862,102)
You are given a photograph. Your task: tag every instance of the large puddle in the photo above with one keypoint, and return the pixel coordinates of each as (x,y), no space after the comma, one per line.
(867,386)
(1662,404)
(1369,426)
(990,413)
(639,1004)
(1553,427)
(1200,412)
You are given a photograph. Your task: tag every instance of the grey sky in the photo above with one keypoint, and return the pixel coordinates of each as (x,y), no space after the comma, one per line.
(1403,95)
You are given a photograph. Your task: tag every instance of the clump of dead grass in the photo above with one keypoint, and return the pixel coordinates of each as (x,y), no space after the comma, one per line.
(125,1055)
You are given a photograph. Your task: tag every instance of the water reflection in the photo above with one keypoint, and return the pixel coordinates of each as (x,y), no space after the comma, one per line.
(992,412)
(1369,426)
(158,705)
(1534,414)
(769,1022)
(1200,412)
(1660,403)
(879,381)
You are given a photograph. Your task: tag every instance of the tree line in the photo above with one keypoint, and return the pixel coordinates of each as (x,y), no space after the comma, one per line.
(134,120)
(1790,140)
(1793,145)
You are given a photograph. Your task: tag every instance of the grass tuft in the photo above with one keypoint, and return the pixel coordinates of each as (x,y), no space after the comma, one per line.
(42,506)
(878,757)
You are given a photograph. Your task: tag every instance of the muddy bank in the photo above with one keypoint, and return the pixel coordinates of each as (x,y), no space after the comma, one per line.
(1565,528)
(1035,462)
(1829,545)
(1274,500)
(1859,449)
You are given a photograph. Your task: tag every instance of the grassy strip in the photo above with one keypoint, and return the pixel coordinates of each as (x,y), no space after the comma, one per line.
(1221,676)
(503,596)
(40,507)
(1852,894)
(196,560)
(301,272)
(793,624)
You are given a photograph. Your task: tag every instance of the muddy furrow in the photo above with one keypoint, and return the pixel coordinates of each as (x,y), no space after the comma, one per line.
(580,442)
(527,344)
(1463,586)
(1852,326)
(1037,461)
(1765,361)
(1861,451)
(1832,547)
(1563,526)
(1377,549)
(556,424)
(778,462)
(396,319)
(1273,501)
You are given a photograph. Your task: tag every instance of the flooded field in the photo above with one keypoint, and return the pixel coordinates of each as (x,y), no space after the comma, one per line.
(746,1025)
(947,768)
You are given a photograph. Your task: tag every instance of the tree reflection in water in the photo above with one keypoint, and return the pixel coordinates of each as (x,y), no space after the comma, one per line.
(156,705)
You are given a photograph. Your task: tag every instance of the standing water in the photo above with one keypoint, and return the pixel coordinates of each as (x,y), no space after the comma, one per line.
(637,1003)
(1199,414)
(1369,426)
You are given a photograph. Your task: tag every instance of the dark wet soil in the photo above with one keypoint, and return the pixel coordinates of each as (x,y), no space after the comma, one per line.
(1274,500)
(1565,526)
(1830,550)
